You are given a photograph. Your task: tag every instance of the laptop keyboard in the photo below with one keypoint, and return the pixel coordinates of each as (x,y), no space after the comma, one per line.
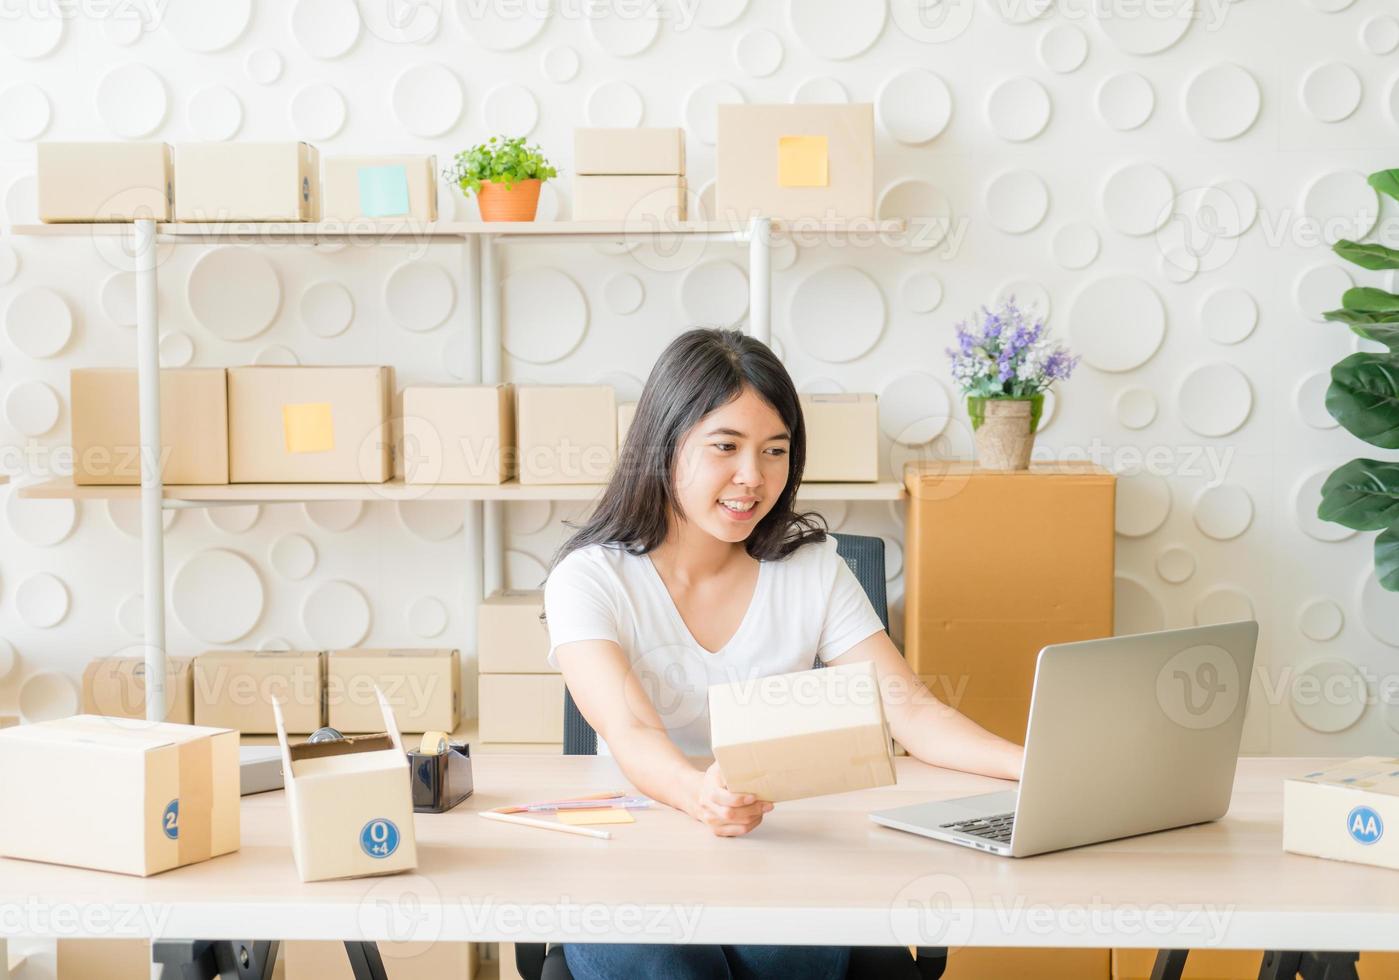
(995,828)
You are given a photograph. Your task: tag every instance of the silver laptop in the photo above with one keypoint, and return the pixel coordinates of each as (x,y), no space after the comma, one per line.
(1127,735)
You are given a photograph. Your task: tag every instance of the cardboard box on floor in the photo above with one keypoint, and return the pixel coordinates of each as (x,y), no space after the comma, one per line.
(104,959)
(629,150)
(168,793)
(107,428)
(662,201)
(458,434)
(310,424)
(842,437)
(350,802)
(236,688)
(981,963)
(101,182)
(238,181)
(809,733)
(1234,964)
(422,686)
(974,627)
(402,961)
(565,433)
(1341,813)
(380,188)
(116,687)
(510,639)
(521,708)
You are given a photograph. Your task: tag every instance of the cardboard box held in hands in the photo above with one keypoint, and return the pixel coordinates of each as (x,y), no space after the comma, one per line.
(351,803)
(791,736)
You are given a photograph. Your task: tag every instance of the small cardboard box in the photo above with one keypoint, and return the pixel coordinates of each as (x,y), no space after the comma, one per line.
(422,686)
(351,803)
(167,794)
(104,959)
(565,433)
(625,413)
(217,182)
(521,707)
(1347,813)
(102,182)
(312,960)
(458,434)
(659,200)
(236,689)
(310,424)
(795,162)
(380,188)
(842,437)
(107,426)
(116,687)
(510,639)
(640,150)
(809,733)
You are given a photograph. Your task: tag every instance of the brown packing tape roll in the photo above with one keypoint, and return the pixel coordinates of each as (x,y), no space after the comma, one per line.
(196,816)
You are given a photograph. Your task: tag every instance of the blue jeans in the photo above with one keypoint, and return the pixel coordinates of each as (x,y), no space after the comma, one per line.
(623,961)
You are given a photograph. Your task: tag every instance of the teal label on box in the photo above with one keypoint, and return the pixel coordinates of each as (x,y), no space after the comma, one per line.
(383,191)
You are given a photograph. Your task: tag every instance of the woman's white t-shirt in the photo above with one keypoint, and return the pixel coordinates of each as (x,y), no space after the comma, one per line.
(805,606)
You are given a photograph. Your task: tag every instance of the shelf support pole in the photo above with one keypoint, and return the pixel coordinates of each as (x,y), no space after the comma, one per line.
(760,280)
(492,345)
(152,481)
(471,519)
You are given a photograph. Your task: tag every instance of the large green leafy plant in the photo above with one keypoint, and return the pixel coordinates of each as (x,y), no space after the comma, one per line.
(1364,397)
(501,160)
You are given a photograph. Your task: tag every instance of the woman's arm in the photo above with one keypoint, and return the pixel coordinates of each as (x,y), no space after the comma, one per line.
(613,701)
(930,730)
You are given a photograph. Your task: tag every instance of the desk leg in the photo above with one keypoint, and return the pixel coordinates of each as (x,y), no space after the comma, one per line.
(1170,964)
(202,959)
(1286,965)
(365,961)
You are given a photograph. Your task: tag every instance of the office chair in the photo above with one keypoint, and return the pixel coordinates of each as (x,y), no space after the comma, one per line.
(865,556)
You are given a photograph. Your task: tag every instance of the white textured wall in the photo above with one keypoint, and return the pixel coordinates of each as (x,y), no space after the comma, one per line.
(1048,146)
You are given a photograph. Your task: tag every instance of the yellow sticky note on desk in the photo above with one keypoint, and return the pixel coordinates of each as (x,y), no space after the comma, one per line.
(583,817)
(803,161)
(308,427)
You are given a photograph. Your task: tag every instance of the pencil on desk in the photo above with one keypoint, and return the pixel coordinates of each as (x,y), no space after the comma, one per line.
(562,828)
(522,807)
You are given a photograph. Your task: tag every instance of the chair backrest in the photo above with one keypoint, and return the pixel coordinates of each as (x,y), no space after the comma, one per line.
(864,555)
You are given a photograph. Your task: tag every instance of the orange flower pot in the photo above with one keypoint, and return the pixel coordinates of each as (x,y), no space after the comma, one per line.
(518,203)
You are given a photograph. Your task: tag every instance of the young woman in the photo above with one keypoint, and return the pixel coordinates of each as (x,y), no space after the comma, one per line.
(694,569)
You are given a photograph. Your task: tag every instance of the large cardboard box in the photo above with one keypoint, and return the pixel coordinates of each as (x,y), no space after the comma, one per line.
(116,687)
(103,182)
(1343,813)
(167,794)
(521,708)
(510,639)
(422,686)
(981,963)
(565,433)
(973,626)
(351,803)
(842,437)
(795,162)
(646,200)
(1234,964)
(217,182)
(809,733)
(380,188)
(639,150)
(107,426)
(306,960)
(104,959)
(236,689)
(310,424)
(458,434)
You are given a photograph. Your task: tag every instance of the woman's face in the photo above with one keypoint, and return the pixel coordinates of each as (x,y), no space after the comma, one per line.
(732,466)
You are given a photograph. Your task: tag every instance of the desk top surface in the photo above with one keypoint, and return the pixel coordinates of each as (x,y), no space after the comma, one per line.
(816,871)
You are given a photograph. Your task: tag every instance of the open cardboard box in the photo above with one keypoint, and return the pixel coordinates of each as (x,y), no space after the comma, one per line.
(351,803)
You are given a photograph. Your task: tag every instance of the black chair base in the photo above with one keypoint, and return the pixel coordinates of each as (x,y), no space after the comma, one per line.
(535,961)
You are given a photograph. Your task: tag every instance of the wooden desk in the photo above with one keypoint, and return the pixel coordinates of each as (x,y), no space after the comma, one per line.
(817,871)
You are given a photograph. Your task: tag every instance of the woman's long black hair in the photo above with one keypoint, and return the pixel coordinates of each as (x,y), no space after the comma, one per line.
(697,373)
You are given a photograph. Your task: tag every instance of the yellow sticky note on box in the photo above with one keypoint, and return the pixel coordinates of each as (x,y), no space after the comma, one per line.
(585,817)
(308,427)
(803,161)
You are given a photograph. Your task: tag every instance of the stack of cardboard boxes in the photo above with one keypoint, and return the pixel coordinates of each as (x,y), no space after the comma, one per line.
(521,696)
(631,175)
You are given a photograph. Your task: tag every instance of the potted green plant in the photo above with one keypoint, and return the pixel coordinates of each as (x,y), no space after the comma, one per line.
(1364,398)
(505,174)
(1004,364)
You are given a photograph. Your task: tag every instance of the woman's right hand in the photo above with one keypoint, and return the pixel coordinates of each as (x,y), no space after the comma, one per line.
(727,814)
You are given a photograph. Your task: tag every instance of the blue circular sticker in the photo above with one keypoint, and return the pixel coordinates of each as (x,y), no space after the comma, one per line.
(170,820)
(1364,825)
(379,838)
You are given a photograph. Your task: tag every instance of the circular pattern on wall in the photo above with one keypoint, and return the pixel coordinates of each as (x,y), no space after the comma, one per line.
(292,556)
(24,111)
(714,293)
(1311,401)
(427,617)
(1228,315)
(1329,696)
(325,28)
(921,292)
(1222,101)
(276,355)
(1117,323)
(1135,407)
(217,596)
(1143,504)
(914,409)
(523,570)
(1017,201)
(131,101)
(431,520)
(502,27)
(1319,288)
(511,108)
(1321,620)
(117,296)
(176,349)
(32,30)
(216,113)
(1137,198)
(317,110)
(719,13)
(237,519)
(9,264)
(1214,399)
(47,696)
(758,53)
(545,315)
(837,314)
(914,106)
(32,407)
(419,296)
(233,292)
(1305,501)
(1175,565)
(334,515)
(623,293)
(1331,92)
(1222,605)
(614,104)
(327,308)
(1076,245)
(125,515)
(1063,48)
(560,64)
(923,206)
(621,28)
(821,89)
(702,109)
(335,615)
(42,600)
(8,658)
(206,25)
(1380,35)
(38,322)
(1125,100)
(42,523)
(1135,607)
(1223,512)
(1379,610)
(835,29)
(1018,109)
(1144,30)
(1342,204)
(263,65)
(427,99)
(528,516)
